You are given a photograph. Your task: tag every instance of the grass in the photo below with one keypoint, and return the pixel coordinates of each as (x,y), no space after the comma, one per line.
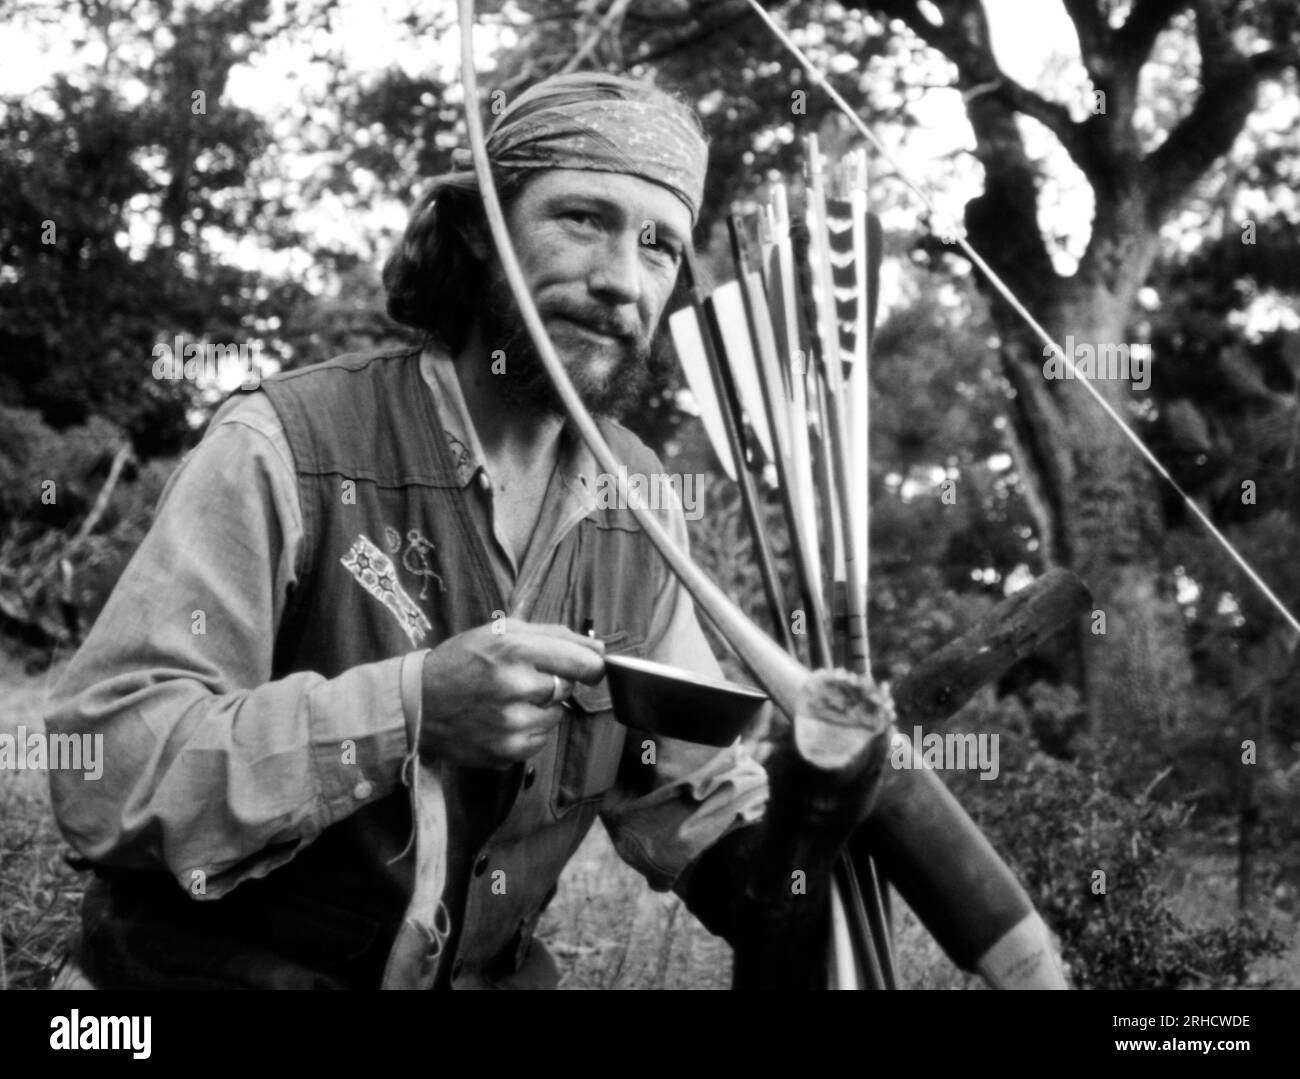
(40,895)
(606,928)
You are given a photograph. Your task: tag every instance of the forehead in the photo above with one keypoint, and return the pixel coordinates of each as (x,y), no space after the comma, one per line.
(640,200)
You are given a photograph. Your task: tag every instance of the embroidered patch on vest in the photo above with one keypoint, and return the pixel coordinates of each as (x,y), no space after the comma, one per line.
(421,547)
(376,573)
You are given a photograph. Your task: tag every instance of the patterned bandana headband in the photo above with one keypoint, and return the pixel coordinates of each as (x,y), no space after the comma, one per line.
(602,123)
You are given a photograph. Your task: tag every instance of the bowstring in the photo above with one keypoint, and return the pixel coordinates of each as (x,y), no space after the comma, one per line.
(955,234)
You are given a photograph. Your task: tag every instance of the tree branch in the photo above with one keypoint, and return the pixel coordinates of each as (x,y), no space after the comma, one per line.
(611,23)
(1218,55)
(944,681)
(1272,62)
(1133,40)
(1003,221)
(1095,45)
(963,38)
(1078,139)
(1229,88)
(1037,425)
(1202,136)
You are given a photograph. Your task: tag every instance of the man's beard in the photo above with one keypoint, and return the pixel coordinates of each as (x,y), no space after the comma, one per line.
(524,382)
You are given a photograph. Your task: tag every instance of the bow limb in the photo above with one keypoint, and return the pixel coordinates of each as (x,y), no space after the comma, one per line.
(781,676)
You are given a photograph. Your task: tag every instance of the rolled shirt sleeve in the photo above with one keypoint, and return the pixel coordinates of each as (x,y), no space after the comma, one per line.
(697,793)
(209,766)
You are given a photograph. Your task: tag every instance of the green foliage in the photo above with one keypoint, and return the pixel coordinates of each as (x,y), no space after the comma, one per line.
(122,194)
(117,191)
(36,535)
(1058,823)
(32,452)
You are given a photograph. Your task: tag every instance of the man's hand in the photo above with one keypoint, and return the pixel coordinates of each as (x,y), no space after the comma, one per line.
(490,694)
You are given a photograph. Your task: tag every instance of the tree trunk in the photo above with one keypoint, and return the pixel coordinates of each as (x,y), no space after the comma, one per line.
(1106,523)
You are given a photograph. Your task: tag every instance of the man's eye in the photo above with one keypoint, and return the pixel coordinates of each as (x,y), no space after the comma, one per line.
(670,251)
(579,217)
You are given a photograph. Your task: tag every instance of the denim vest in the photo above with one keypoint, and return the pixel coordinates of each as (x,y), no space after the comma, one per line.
(394,562)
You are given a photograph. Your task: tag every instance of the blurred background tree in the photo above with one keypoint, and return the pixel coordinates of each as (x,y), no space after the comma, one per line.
(1134,182)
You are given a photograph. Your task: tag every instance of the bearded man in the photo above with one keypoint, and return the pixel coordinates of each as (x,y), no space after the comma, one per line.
(398,557)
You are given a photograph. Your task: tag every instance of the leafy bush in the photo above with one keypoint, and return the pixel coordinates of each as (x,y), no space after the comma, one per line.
(37,535)
(75,459)
(1058,825)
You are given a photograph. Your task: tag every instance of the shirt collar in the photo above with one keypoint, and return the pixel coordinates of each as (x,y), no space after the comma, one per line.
(439,373)
(577,468)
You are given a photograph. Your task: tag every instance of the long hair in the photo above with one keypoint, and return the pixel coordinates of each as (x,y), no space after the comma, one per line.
(434,280)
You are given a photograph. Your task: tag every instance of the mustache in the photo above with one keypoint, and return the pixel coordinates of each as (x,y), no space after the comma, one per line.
(598,319)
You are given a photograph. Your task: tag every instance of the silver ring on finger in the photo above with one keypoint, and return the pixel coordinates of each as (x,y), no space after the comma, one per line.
(557,694)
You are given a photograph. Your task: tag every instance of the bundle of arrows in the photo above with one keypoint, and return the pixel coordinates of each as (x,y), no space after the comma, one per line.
(778,361)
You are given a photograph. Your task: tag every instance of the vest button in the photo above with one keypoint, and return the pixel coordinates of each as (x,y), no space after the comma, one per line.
(480,867)
(363,790)
(530,776)
(484,481)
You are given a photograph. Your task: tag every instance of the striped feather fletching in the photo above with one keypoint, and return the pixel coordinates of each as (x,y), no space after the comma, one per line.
(844,271)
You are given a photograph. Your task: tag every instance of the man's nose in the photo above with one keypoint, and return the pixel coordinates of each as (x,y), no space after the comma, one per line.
(616,275)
